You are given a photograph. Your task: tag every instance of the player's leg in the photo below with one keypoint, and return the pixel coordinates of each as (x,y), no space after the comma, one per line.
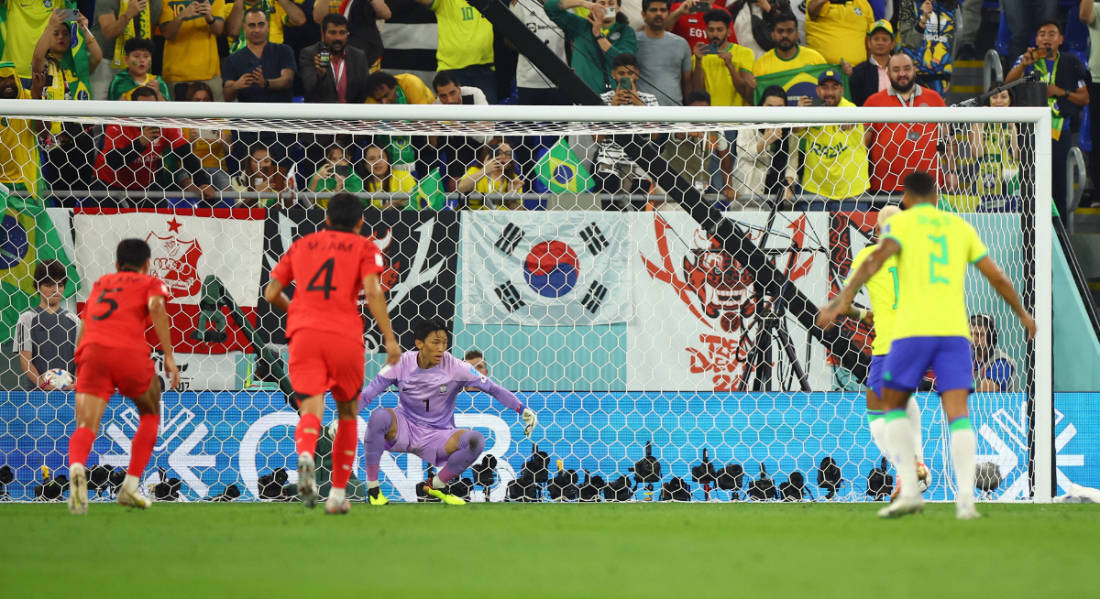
(907,361)
(463,448)
(875,405)
(343,457)
(955,378)
(381,430)
(309,379)
(310,410)
(345,363)
(89,412)
(145,438)
(454,450)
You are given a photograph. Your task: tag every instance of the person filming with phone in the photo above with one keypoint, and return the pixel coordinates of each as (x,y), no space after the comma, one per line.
(1066,79)
(331,70)
(615,173)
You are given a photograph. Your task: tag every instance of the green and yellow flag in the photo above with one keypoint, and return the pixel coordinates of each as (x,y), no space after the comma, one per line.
(799,82)
(28,237)
(429,191)
(559,169)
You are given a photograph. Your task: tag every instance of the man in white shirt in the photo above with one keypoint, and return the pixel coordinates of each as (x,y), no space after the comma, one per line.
(615,172)
(532,85)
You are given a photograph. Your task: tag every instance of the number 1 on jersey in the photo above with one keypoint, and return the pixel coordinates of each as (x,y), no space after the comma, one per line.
(933,259)
(326,284)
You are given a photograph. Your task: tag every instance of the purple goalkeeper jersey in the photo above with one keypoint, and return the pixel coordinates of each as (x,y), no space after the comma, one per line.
(427,395)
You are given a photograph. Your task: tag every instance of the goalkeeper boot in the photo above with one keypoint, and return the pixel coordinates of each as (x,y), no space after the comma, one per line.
(78,490)
(375,496)
(924,476)
(131,497)
(441,495)
(337,506)
(307,485)
(902,506)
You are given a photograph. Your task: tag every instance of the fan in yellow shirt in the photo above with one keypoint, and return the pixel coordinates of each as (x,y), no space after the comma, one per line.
(787,54)
(933,250)
(835,156)
(721,67)
(191,29)
(838,29)
(496,174)
(18,143)
(381,178)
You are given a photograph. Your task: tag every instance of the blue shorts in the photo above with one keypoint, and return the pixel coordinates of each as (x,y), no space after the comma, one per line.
(874,374)
(911,357)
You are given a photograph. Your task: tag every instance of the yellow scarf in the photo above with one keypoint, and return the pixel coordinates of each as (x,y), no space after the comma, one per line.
(144,30)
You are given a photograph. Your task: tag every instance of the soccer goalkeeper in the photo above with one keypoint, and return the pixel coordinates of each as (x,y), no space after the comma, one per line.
(428,380)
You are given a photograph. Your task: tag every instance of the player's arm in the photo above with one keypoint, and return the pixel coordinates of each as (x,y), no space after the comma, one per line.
(380,383)
(158,313)
(1004,288)
(509,399)
(376,303)
(826,316)
(274,295)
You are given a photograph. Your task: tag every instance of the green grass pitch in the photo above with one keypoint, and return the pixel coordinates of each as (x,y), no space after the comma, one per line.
(540,550)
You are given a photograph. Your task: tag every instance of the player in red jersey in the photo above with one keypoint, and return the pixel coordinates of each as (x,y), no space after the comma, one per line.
(326,335)
(112,353)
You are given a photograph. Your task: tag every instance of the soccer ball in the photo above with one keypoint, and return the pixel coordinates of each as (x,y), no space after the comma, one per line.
(58,378)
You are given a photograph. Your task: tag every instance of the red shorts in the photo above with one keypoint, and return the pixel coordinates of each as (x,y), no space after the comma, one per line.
(100,369)
(322,362)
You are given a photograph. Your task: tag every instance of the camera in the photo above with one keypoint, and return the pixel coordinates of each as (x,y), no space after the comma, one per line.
(325,57)
(343,170)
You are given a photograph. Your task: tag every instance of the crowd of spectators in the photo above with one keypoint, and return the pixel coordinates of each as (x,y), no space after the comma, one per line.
(887,53)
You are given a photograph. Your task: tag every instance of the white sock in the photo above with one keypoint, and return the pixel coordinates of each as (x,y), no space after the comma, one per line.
(962,456)
(912,411)
(899,445)
(130,483)
(878,435)
(437,483)
(373,484)
(336,495)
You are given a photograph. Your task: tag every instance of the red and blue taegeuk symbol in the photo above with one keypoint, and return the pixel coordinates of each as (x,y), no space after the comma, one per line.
(551,268)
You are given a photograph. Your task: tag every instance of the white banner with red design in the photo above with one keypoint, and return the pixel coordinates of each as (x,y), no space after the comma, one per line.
(704,322)
(202,254)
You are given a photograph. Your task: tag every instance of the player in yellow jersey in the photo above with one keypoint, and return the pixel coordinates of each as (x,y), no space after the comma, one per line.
(882,290)
(933,249)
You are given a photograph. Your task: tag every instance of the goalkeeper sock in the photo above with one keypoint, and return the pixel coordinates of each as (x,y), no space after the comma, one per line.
(877,422)
(899,445)
(963,447)
(374,441)
(912,411)
(142,446)
(80,445)
(305,434)
(470,445)
(343,453)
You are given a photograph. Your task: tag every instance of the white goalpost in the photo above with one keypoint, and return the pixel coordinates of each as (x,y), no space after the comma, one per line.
(645,277)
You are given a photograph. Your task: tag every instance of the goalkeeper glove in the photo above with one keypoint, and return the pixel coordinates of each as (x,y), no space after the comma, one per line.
(529,421)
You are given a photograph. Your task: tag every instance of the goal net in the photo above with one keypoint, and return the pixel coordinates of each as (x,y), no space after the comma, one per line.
(645,279)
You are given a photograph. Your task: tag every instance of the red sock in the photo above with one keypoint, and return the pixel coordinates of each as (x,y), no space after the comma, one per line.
(80,445)
(305,435)
(142,446)
(343,452)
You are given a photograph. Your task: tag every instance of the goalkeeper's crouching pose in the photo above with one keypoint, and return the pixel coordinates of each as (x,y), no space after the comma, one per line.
(428,379)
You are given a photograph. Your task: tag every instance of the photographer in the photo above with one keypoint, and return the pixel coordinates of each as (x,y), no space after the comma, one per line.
(1066,79)
(331,70)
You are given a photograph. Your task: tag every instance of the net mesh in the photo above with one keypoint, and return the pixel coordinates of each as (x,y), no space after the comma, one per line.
(649,289)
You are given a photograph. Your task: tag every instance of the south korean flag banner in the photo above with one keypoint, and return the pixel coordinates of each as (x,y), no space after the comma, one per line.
(545,268)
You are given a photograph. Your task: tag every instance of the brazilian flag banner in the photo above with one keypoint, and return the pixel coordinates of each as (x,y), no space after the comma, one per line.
(429,191)
(799,82)
(27,236)
(559,169)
